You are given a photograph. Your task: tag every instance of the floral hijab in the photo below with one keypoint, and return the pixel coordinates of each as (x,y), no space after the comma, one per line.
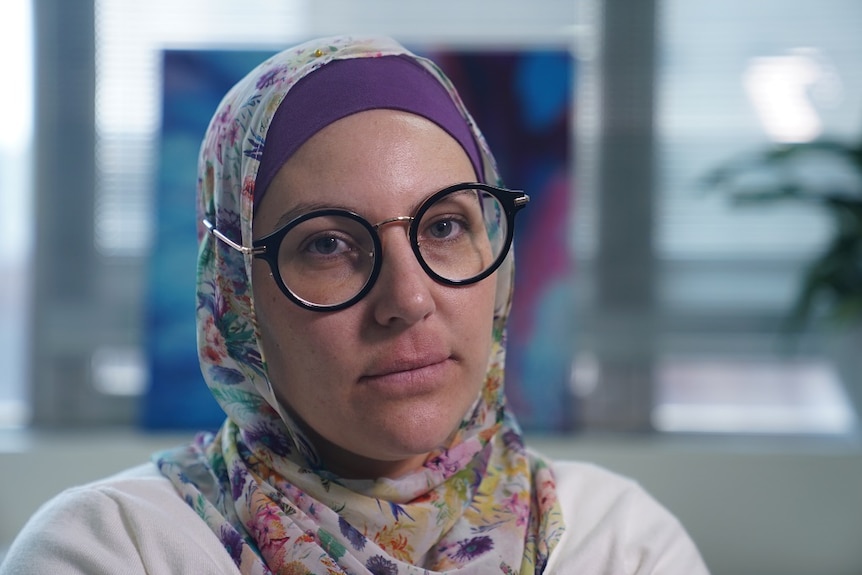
(481,504)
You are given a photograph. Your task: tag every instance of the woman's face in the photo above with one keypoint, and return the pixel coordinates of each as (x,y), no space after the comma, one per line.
(380,384)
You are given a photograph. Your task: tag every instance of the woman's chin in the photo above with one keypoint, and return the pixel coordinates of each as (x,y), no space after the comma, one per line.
(391,454)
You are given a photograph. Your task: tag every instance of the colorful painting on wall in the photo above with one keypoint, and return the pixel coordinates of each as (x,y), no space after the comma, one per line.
(522,100)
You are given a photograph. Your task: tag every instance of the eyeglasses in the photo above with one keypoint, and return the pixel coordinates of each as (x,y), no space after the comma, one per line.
(329,259)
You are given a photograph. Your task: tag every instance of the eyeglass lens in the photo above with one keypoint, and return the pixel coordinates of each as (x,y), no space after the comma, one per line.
(328,259)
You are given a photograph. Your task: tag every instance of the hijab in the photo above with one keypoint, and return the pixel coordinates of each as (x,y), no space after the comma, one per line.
(480,504)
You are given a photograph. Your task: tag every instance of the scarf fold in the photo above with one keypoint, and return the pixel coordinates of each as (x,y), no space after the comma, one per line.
(480,504)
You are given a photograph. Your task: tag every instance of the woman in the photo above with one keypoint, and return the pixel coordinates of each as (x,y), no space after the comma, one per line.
(353,288)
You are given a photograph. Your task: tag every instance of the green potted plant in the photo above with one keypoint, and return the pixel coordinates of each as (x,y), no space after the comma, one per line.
(827,175)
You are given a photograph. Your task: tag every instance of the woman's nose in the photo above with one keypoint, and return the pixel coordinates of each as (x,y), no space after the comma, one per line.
(403,291)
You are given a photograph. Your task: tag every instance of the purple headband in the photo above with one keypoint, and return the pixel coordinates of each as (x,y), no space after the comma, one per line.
(344,87)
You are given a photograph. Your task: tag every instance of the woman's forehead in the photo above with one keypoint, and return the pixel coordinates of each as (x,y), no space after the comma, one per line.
(371,163)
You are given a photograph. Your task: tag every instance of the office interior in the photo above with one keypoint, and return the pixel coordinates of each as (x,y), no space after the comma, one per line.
(685,370)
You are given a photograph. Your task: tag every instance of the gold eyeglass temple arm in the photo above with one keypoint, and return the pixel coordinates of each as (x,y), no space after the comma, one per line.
(240,248)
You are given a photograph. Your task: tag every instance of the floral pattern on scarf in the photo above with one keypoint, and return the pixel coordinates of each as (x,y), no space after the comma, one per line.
(481,504)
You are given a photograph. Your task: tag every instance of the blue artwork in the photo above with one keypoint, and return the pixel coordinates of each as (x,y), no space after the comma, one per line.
(193,84)
(521,100)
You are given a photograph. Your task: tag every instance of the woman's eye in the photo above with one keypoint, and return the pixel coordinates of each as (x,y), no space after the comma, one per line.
(324,245)
(327,246)
(445,228)
(442,229)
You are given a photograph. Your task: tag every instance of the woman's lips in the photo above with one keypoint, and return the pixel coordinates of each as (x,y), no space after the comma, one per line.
(408,375)
(405,364)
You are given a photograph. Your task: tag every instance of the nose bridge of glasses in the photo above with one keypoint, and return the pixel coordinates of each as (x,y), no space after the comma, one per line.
(406,221)
(395,220)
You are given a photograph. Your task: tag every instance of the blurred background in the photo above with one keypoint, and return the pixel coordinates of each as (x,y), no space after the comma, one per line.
(707,305)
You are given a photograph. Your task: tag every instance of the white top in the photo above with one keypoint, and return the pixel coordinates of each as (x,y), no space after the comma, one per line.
(135,522)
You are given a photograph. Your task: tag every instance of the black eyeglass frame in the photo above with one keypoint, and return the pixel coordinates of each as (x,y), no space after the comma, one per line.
(266,248)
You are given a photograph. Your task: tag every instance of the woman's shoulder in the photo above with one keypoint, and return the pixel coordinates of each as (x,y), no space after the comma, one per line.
(132,522)
(139,491)
(614,526)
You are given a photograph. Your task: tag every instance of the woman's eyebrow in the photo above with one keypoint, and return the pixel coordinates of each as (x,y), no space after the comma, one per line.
(306,207)
(301,209)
